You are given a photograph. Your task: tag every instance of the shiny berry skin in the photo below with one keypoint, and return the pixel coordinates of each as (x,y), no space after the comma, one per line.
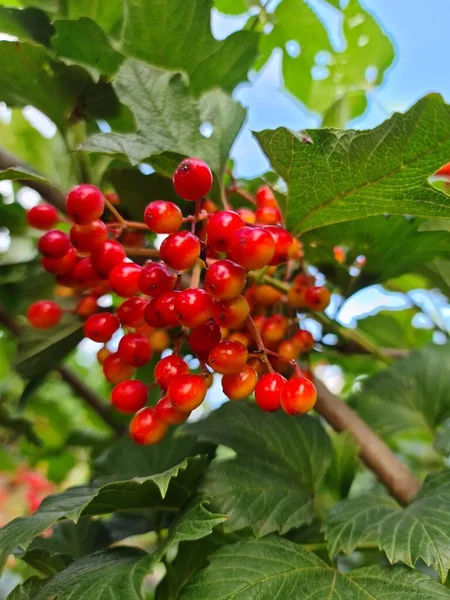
(44,314)
(193,179)
(106,256)
(444,171)
(42,216)
(285,245)
(228,357)
(101,327)
(84,274)
(156,279)
(268,391)
(265,197)
(247,215)
(169,415)
(193,307)
(131,312)
(181,250)
(115,370)
(160,312)
(124,279)
(63,265)
(85,203)
(225,279)
(129,396)
(266,295)
(134,349)
(54,244)
(252,247)
(268,215)
(238,386)
(303,340)
(220,229)
(145,427)
(230,313)
(317,297)
(187,392)
(204,338)
(88,237)
(298,396)
(163,217)
(169,368)
(87,306)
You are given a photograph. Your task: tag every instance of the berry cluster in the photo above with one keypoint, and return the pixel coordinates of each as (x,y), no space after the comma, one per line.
(211,291)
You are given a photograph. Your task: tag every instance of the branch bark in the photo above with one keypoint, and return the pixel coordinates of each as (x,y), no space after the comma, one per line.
(395,475)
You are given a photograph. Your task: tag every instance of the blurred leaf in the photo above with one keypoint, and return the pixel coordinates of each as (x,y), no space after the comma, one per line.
(28,24)
(344,464)
(21,250)
(106,13)
(26,590)
(233,7)
(393,329)
(19,425)
(13,216)
(345,109)
(442,441)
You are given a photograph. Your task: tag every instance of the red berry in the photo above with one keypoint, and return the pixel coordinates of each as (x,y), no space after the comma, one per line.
(193,307)
(105,257)
(268,391)
(252,247)
(115,370)
(303,340)
(88,237)
(44,314)
(129,396)
(229,356)
(225,279)
(230,313)
(42,216)
(220,229)
(101,327)
(131,312)
(85,203)
(265,197)
(134,349)
(54,244)
(187,392)
(238,386)
(124,279)
(160,312)
(87,306)
(146,428)
(169,415)
(163,217)
(268,215)
(193,179)
(63,265)
(180,250)
(444,171)
(204,338)
(156,279)
(298,396)
(169,368)
(84,274)
(274,329)
(247,215)
(317,297)
(285,246)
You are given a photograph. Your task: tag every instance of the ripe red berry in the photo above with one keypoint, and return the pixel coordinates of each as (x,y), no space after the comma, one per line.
(85,203)
(298,396)
(238,386)
(268,391)
(303,341)
(247,215)
(101,327)
(169,368)
(268,215)
(63,265)
(160,312)
(252,247)
(88,237)
(285,245)
(106,256)
(115,370)
(317,297)
(187,392)
(146,428)
(204,338)
(169,415)
(131,312)
(124,279)
(229,356)
(230,313)
(265,197)
(225,279)
(42,216)
(274,329)
(44,314)
(193,179)
(87,306)
(134,349)
(156,279)
(193,307)
(129,396)
(84,274)
(220,229)
(54,244)
(180,250)
(163,217)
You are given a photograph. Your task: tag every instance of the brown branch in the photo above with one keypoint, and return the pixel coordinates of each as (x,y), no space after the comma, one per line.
(395,475)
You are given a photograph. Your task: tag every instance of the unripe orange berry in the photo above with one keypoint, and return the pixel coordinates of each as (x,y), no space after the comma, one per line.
(317,298)
(303,340)
(230,313)
(266,295)
(274,329)
(228,357)
(238,386)
(288,349)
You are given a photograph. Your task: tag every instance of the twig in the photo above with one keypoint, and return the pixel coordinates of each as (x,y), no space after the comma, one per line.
(259,341)
(115,213)
(146,252)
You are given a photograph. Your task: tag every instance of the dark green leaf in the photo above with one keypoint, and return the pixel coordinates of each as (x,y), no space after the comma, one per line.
(13,217)
(344,464)
(18,424)
(27,590)
(28,24)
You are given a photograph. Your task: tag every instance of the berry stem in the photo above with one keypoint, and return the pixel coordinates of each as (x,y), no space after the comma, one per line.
(116,214)
(145,252)
(259,342)
(241,192)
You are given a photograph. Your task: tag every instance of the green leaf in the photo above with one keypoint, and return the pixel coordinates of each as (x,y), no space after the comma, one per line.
(177,36)
(233,7)
(19,425)
(344,464)
(21,174)
(41,351)
(13,217)
(28,24)
(347,175)
(106,13)
(27,590)
(345,109)
(393,329)
(168,120)
(264,568)
(405,534)
(280,462)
